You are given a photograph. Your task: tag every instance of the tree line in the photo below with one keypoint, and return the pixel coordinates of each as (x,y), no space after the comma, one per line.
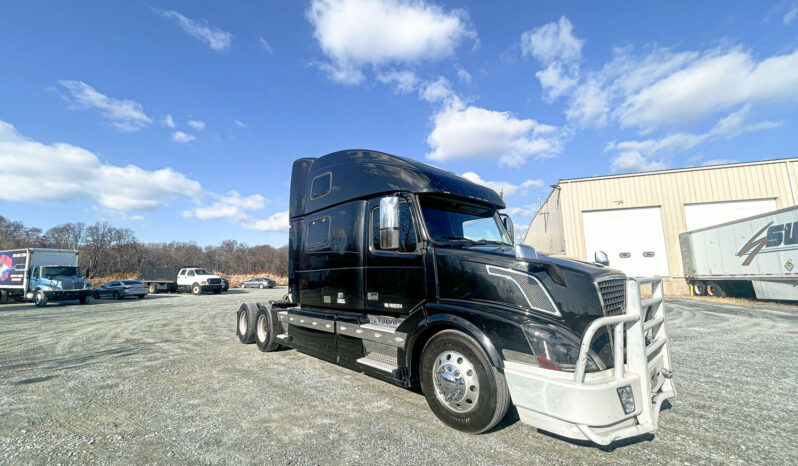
(106,250)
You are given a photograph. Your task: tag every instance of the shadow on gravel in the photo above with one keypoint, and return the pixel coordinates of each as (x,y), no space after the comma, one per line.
(34,380)
(75,362)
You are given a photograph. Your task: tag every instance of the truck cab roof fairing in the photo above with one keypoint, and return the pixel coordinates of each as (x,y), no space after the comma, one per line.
(361,173)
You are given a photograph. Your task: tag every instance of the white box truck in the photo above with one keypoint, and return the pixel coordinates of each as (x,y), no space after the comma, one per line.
(42,275)
(754,256)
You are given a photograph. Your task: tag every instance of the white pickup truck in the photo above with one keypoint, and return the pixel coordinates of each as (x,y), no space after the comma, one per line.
(194,279)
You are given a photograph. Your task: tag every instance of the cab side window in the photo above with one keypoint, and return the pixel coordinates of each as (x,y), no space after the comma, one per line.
(407,232)
(190,273)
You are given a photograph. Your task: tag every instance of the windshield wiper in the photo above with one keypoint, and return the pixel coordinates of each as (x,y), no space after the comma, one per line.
(472,241)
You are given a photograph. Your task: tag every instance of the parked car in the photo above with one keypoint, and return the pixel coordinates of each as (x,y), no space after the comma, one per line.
(258,283)
(119,289)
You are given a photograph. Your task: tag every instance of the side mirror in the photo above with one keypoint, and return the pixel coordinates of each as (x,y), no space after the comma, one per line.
(600,257)
(389,223)
(508,225)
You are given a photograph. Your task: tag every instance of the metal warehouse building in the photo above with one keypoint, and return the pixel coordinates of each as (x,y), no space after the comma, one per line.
(637,218)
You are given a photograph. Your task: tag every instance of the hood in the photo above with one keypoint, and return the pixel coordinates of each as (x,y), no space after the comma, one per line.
(534,287)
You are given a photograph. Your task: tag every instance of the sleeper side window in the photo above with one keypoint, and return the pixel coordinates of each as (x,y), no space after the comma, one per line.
(320,186)
(318,233)
(407,232)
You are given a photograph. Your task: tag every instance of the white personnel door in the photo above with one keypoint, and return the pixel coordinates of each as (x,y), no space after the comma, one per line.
(707,214)
(633,239)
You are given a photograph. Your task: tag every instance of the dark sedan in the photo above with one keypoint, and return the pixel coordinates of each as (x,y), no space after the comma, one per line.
(119,289)
(258,283)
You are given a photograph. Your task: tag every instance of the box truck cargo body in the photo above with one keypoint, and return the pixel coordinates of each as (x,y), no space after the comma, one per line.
(42,275)
(757,254)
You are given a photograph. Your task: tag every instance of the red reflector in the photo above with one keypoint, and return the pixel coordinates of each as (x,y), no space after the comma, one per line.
(548,364)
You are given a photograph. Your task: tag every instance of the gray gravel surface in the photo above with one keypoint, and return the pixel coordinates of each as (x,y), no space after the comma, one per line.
(164,380)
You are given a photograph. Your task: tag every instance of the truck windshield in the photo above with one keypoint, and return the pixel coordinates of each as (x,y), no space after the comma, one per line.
(52,272)
(451,220)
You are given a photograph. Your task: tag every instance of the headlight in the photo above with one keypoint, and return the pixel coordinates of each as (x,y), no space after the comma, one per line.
(554,350)
(203,282)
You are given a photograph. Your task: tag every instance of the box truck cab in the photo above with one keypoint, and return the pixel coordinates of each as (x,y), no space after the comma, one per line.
(409,273)
(42,275)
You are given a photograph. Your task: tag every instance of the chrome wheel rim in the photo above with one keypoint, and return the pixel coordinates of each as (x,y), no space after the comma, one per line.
(262,331)
(242,323)
(456,382)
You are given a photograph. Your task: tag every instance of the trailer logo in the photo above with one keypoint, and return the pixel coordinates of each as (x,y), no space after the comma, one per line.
(6,266)
(777,235)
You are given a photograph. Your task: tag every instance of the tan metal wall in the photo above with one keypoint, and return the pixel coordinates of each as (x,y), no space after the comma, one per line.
(545,232)
(671,190)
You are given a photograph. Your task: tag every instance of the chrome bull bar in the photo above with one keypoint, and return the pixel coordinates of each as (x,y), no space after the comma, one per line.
(589,406)
(644,352)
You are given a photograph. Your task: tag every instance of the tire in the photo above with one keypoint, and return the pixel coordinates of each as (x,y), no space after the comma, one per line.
(96,295)
(141,296)
(196,290)
(262,286)
(264,331)
(153,288)
(448,352)
(242,286)
(39,298)
(3,297)
(713,289)
(699,289)
(84,300)
(117,296)
(245,322)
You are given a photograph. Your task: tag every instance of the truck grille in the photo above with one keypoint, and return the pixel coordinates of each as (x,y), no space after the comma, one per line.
(613,296)
(71,285)
(214,281)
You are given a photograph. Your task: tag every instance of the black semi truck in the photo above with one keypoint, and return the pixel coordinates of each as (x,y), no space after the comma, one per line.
(409,273)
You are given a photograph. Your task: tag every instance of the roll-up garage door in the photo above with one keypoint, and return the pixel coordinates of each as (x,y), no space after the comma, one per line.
(633,239)
(708,214)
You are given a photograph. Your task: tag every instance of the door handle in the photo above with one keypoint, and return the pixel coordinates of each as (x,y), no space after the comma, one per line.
(648,254)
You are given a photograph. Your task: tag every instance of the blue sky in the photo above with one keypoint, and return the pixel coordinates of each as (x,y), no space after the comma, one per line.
(181,120)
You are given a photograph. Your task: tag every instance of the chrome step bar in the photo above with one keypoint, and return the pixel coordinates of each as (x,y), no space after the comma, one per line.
(375,363)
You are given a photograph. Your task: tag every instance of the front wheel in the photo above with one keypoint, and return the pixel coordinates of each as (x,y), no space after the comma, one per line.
(153,288)
(85,300)
(262,286)
(460,384)
(196,290)
(117,296)
(40,299)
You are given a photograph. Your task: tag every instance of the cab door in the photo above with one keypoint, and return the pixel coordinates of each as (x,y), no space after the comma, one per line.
(395,279)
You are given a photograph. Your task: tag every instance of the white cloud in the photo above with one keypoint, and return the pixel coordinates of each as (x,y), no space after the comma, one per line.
(236,208)
(652,154)
(552,42)
(125,115)
(463,75)
(404,81)
(791,15)
(507,189)
(437,91)
(275,222)
(357,33)
(168,122)
(240,123)
(197,124)
(559,51)
(470,132)
(217,39)
(265,45)
(182,138)
(76,173)
(633,161)
(717,162)
(525,211)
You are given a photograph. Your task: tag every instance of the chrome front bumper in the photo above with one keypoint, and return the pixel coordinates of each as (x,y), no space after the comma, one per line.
(587,406)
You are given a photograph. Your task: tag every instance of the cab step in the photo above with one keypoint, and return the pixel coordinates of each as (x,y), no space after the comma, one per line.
(380,362)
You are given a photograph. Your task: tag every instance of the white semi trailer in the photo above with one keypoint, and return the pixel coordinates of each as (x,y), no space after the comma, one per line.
(755,256)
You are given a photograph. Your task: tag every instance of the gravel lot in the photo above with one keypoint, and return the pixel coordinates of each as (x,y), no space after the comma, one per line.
(164,380)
